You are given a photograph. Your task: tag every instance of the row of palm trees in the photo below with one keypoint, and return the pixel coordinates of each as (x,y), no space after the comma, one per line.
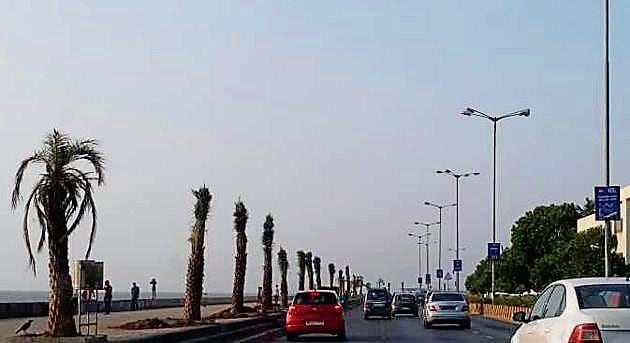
(63,196)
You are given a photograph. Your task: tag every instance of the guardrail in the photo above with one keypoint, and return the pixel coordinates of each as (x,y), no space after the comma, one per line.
(497,312)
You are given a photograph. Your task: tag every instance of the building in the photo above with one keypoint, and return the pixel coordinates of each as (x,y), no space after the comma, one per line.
(620,228)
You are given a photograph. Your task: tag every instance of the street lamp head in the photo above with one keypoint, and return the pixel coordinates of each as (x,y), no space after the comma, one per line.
(416,223)
(428,203)
(525,113)
(476,173)
(410,235)
(448,171)
(468,111)
(439,172)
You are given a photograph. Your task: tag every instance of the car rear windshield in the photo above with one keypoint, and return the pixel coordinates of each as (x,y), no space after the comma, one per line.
(377,295)
(405,298)
(447,297)
(603,296)
(315,298)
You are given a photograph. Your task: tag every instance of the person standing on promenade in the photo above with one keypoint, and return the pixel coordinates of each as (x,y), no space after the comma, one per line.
(135,294)
(153,284)
(108,297)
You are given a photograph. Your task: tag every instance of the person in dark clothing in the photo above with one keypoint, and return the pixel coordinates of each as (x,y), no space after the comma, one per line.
(108,297)
(135,295)
(153,284)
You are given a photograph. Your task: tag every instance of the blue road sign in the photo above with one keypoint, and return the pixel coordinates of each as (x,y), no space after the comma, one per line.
(457,265)
(607,203)
(494,250)
(439,273)
(427,278)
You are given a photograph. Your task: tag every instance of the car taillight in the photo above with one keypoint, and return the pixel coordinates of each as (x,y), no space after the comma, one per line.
(432,308)
(338,308)
(465,308)
(586,333)
(291,310)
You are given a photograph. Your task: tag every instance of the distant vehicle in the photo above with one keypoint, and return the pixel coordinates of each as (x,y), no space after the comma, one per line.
(315,312)
(377,303)
(593,310)
(446,308)
(404,303)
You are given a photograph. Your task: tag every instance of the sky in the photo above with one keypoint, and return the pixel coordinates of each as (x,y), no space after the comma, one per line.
(333,116)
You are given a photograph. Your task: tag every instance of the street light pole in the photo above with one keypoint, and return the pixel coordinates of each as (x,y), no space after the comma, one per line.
(473,112)
(439,207)
(427,226)
(457,176)
(606,128)
(419,252)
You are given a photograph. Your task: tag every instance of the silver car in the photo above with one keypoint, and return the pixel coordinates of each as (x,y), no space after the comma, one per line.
(446,308)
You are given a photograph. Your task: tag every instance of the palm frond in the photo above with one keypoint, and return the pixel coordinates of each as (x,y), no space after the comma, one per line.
(87,149)
(27,239)
(267,238)
(240,216)
(41,216)
(202,207)
(19,175)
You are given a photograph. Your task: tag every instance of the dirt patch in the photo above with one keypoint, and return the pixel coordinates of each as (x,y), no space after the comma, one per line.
(159,323)
(227,313)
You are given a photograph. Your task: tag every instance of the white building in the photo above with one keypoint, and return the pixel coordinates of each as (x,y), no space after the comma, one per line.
(620,228)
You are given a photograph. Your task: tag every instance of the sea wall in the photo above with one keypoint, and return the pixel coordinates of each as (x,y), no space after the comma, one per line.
(38,309)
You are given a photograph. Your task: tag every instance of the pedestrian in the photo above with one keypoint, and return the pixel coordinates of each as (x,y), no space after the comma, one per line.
(153,284)
(108,297)
(135,294)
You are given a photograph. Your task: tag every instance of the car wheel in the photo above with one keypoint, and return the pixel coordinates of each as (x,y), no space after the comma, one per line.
(292,337)
(341,335)
(365,316)
(465,325)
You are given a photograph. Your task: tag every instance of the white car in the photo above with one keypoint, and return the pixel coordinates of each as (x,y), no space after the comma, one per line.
(588,310)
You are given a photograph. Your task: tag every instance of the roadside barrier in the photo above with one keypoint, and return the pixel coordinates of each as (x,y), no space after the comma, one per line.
(497,312)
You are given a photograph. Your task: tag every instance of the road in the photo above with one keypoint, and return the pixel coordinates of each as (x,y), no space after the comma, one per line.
(409,329)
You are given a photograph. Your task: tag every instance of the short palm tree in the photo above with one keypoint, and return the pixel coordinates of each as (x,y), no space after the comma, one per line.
(194,276)
(331,273)
(62,197)
(317,269)
(309,269)
(283,263)
(348,280)
(341,291)
(267,242)
(301,259)
(240,261)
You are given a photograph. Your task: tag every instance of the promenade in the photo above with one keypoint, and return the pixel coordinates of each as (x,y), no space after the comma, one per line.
(8,326)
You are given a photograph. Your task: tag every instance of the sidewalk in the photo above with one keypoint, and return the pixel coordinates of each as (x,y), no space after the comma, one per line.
(8,326)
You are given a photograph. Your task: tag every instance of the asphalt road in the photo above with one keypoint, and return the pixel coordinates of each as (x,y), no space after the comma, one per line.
(409,329)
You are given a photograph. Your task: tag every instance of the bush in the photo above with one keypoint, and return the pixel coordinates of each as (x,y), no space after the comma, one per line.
(524,300)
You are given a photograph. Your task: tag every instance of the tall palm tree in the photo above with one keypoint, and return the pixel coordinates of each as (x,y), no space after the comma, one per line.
(301,259)
(354,284)
(62,197)
(283,263)
(194,276)
(240,261)
(341,292)
(267,242)
(309,269)
(348,280)
(331,273)
(317,269)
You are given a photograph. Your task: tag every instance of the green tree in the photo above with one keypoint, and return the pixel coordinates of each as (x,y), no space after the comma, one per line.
(240,260)
(267,242)
(61,198)
(283,263)
(194,275)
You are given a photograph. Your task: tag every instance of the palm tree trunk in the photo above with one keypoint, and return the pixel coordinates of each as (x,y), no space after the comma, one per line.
(332,279)
(60,304)
(194,276)
(240,266)
(267,278)
(284,291)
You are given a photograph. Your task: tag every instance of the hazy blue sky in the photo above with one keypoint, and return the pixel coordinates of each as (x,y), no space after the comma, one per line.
(333,115)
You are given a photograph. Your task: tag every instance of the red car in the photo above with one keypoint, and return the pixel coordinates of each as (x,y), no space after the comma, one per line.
(315,312)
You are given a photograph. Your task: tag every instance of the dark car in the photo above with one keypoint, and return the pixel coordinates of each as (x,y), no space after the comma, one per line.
(404,303)
(377,303)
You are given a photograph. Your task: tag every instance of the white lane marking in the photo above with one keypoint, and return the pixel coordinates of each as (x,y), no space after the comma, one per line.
(490,338)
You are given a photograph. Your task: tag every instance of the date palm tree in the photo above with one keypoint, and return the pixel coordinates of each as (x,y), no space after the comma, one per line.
(309,270)
(317,269)
(348,289)
(61,198)
(341,291)
(331,273)
(267,242)
(194,276)
(354,284)
(283,263)
(301,259)
(240,261)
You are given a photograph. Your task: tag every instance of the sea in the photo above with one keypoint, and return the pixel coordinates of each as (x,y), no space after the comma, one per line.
(42,296)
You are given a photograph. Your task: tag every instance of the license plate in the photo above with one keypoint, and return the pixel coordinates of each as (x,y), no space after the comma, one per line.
(315,323)
(447,308)
(379,305)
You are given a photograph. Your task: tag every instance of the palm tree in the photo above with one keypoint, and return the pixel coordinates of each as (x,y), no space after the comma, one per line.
(348,280)
(283,263)
(354,284)
(267,242)
(309,269)
(331,273)
(62,197)
(340,282)
(194,276)
(301,259)
(317,268)
(240,263)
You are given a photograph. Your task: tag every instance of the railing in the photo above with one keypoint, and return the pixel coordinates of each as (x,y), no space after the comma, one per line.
(497,312)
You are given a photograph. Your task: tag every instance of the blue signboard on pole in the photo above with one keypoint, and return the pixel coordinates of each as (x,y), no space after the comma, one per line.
(457,265)
(439,273)
(607,204)
(494,250)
